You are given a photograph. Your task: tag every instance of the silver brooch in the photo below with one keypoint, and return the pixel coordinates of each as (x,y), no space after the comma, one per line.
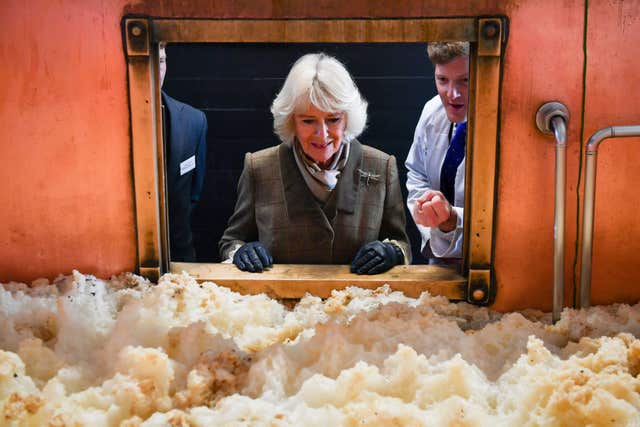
(367,177)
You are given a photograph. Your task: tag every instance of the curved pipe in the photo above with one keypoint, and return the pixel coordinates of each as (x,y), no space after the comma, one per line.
(589,201)
(559,130)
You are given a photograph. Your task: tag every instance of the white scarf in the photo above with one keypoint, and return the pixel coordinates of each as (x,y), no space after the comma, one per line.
(321,181)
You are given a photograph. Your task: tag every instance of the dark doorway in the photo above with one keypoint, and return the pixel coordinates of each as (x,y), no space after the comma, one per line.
(235,83)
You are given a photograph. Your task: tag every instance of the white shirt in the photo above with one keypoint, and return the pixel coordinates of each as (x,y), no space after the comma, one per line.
(424,162)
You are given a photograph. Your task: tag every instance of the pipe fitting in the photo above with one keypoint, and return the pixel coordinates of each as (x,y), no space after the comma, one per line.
(546,113)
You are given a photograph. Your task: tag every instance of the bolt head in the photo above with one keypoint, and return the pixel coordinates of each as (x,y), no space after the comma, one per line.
(478,295)
(490,30)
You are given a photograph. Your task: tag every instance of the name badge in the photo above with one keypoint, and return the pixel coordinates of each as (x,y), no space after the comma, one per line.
(188,165)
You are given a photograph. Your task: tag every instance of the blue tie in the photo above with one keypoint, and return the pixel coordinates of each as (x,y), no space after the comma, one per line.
(452,160)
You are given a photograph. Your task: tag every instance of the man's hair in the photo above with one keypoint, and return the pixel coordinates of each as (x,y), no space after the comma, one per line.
(442,52)
(324,82)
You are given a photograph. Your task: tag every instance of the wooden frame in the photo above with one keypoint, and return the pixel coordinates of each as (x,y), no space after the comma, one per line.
(487,36)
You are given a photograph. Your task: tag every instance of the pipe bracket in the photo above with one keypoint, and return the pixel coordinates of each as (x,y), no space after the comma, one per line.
(547,112)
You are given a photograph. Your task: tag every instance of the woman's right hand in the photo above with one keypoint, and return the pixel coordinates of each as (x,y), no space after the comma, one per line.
(252,257)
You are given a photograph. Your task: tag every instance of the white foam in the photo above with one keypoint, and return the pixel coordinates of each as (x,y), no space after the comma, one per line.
(129,352)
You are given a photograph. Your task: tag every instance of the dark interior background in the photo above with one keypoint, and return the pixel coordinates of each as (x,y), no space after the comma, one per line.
(235,84)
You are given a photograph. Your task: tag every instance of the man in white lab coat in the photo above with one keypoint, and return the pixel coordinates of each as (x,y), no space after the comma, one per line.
(436,160)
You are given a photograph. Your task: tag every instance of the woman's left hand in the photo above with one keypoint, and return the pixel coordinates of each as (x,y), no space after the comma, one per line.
(376,257)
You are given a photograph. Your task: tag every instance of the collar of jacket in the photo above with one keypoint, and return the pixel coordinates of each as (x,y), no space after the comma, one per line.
(299,198)
(176,142)
(171,103)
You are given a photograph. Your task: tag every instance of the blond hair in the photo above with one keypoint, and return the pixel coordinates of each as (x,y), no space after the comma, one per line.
(323,81)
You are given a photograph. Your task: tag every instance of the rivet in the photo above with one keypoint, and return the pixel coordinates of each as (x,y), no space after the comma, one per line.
(136,30)
(478,295)
(490,30)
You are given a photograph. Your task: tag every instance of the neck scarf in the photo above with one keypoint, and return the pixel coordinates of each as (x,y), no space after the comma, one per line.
(321,181)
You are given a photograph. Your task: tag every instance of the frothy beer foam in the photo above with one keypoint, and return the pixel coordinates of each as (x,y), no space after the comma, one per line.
(85,351)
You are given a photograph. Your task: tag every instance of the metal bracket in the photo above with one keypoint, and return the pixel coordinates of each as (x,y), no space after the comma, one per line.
(151,273)
(143,105)
(137,36)
(489,37)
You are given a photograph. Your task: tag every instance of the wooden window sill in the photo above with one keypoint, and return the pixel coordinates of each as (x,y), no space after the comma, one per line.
(295,280)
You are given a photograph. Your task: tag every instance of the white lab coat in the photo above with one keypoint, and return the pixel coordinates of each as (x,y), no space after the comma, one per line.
(424,162)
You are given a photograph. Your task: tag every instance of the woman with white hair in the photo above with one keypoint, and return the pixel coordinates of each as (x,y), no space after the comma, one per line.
(320,197)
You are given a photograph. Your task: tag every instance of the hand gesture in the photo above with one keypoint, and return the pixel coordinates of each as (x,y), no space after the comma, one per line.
(433,210)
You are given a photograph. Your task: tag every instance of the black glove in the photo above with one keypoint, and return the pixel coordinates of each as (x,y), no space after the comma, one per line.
(253,257)
(376,257)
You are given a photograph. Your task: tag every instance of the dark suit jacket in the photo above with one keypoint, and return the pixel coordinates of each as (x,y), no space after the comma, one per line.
(186,146)
(276,207)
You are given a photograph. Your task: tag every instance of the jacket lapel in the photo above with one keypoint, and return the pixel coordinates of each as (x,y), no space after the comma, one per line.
(299,200)
(348,183)
(176,132)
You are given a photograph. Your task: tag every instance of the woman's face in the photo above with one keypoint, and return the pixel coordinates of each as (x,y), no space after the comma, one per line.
(319,133)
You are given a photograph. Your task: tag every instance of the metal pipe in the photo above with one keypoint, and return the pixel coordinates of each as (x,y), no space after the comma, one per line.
(552,117)
(589,202)
(560,131)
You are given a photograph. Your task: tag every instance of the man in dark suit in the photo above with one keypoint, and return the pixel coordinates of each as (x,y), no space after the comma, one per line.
(185,130)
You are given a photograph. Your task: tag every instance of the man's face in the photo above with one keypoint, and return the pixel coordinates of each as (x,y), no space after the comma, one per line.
(162,60)
(452,82)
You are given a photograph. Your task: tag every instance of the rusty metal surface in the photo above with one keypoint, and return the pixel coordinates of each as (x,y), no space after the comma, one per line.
(314,30)
(142,105)
(483,146)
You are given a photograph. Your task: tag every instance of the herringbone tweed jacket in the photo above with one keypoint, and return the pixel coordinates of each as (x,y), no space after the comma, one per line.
(276,207)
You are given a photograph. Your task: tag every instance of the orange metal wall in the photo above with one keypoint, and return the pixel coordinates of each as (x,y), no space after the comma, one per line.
(544,62)
(67,193)
(613,98)
(67,197)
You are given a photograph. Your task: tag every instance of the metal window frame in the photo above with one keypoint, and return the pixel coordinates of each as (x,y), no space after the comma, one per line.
(487,35)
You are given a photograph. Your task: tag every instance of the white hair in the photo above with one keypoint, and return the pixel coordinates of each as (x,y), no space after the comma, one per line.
(323,81)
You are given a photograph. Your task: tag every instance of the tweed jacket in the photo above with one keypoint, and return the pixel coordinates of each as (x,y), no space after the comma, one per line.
(276,207)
